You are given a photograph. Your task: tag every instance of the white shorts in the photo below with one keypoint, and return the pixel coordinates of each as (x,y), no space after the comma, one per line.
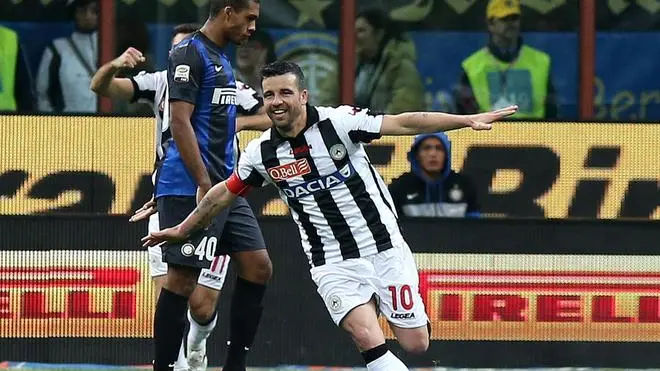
(213,278)
(390,276)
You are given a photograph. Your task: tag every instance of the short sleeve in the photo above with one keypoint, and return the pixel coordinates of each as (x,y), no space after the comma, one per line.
(145,86)
(361,125)
(184,72)
(247,169)
(247,99)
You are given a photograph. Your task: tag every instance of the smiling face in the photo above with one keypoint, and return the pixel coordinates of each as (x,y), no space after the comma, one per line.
(284,100)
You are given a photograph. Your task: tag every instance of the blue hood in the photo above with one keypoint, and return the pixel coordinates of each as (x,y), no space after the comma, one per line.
(414,164)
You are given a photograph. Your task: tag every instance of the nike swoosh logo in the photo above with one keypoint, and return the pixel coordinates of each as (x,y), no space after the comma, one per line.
(218,68)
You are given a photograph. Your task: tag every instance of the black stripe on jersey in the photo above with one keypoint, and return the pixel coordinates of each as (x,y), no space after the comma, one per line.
(149,95)
(340,229)
(382,195)
(255,179)
(363,136)
(269,159)
(358,189)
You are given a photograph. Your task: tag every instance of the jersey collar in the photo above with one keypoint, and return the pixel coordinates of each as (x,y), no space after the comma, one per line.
(312,118)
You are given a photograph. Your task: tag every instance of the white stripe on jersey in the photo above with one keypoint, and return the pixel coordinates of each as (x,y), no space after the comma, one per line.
(340,203)
(151,89)
(154,85)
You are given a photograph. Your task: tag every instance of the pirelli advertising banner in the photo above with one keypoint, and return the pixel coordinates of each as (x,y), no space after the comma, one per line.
(541,297)
(75,294)
(568,292)
(467,296)
(529,169)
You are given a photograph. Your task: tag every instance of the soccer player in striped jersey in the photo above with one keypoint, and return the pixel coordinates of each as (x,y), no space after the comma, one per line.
(348,226)
(151,89)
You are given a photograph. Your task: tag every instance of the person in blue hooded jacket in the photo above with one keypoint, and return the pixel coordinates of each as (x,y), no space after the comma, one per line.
(432,188)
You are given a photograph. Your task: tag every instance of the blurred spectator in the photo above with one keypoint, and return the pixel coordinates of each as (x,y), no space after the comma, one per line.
(506,71)
(16,85)
(387,79)
(252,56)
(432,188)
(68,64)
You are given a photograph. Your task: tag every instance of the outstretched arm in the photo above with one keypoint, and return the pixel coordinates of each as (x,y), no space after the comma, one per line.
(413,123)
(216,199)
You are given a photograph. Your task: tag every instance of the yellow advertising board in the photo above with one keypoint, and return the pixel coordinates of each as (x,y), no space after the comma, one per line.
(548,169)
(60,162)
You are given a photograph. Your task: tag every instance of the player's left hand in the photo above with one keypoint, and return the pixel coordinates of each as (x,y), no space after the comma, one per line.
(145,211)
(172,234)
(484,121)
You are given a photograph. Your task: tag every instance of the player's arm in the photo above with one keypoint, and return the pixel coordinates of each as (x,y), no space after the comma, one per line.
(260,122)
(186,142)
(219,197)
(106,84)
(183,76)
(413,123)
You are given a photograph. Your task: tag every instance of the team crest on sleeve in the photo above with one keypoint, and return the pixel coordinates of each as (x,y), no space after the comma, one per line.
(338,151)
(182,73)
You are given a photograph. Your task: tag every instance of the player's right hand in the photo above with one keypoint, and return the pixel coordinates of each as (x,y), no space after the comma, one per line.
(145,211)
(129,59)
(172,234)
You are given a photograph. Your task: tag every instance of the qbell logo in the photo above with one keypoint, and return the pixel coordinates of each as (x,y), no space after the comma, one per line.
(297,168)
(35,288)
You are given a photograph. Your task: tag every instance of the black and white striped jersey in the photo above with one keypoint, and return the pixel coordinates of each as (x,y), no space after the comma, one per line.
(340,203)
(151,89)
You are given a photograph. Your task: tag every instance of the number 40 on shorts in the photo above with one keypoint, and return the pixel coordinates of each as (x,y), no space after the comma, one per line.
(204,250)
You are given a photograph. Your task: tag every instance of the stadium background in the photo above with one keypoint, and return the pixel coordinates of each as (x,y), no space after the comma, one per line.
(562,272)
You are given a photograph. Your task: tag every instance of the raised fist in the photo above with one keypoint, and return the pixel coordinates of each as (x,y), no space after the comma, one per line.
(129,59)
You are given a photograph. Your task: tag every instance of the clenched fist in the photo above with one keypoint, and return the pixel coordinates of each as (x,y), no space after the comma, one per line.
(129,59)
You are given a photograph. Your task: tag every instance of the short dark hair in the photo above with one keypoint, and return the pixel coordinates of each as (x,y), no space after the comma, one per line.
(73,5)
(380,20)
(216,6)
(279,68)
(185,28)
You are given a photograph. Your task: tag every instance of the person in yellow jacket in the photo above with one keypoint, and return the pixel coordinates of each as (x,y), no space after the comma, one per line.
(506,71)
(387,79)
(16,84)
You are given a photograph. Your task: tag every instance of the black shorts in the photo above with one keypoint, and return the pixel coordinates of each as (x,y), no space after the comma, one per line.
(234,229)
